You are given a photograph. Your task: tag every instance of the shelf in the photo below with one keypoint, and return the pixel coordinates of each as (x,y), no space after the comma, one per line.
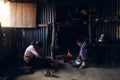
(69,24)
(42,25)
(116,23)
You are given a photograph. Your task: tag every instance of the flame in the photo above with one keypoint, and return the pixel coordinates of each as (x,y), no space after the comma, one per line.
(69,54)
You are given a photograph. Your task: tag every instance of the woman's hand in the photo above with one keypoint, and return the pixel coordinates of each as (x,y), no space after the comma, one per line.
(78,58)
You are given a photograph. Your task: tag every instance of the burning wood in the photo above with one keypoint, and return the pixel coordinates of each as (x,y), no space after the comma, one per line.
(69,54)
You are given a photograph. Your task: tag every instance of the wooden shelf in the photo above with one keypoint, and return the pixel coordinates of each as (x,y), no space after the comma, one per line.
(42,25)
(116,23)
(70,24)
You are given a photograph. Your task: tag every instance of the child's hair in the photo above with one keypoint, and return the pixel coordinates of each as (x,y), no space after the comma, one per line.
(80,40)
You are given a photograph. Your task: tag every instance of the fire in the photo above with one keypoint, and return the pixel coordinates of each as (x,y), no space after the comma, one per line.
(69,54)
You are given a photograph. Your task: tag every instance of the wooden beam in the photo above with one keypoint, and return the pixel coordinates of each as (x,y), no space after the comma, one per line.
(90,24)
(42,25)
(53,34)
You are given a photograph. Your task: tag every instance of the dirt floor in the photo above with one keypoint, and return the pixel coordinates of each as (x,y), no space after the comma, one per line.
(67,72)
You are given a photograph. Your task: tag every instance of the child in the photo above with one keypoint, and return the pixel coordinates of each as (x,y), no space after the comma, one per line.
(82,57)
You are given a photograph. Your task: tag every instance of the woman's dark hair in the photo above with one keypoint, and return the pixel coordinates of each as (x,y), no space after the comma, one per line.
(32,43)
(36,44)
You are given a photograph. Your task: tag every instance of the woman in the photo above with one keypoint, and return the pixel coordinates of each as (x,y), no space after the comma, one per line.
(83,53)
(35,57)
(33,53)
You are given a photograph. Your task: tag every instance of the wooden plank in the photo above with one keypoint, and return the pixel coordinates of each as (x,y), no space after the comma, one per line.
(42,25)
(31,15)
(4,14)
(28,15)
(18,15)
(53,34)
(33,9)
(12,12)
(24,15)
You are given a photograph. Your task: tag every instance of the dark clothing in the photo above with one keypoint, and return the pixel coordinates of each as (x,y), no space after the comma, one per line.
(37,63)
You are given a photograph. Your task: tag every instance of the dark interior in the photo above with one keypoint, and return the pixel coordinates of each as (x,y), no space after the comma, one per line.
(71,25)
(72,19)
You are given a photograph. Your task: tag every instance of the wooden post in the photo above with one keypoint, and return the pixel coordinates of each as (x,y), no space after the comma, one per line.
(90,24)
(53,33)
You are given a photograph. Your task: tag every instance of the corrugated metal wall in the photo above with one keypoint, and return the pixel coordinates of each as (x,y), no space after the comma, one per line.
(39,34)
(44,17)
(111,29)
(8,49)
(46,13)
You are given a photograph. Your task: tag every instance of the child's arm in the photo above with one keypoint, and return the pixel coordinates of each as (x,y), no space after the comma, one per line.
(78,58)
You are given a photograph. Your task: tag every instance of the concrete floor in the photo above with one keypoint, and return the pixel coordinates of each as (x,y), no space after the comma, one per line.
(67,72)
